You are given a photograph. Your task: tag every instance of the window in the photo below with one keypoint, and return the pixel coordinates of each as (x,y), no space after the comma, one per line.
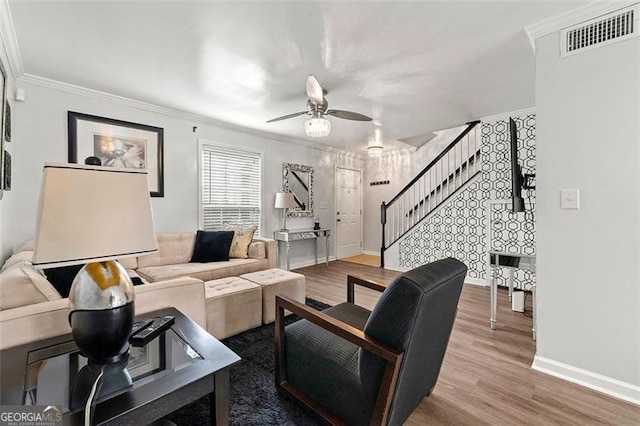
(230,187)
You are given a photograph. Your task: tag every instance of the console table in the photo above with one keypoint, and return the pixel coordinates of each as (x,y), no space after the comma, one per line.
(286,236)
(511,261)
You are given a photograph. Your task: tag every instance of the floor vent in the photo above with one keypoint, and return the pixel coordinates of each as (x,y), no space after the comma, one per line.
(613,27)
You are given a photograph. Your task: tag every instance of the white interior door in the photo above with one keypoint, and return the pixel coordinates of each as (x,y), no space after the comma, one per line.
(348,212)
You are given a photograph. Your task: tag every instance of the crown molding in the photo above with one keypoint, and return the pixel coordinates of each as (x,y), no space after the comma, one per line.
(9,40)
(504,115)
(166,111)
(572,17)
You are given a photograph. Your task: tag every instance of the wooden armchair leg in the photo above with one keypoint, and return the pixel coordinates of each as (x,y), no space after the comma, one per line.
(280,353)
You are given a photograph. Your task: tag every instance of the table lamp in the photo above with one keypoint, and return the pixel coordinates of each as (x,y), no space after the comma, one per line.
(93,215)
(284,200)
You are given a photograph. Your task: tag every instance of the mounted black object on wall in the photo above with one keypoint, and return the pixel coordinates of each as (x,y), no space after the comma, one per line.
(519,181)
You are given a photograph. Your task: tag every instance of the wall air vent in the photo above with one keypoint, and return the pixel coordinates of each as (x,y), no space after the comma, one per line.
(606,29)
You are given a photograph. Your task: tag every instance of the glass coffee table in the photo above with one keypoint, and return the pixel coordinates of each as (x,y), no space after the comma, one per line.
(182,365)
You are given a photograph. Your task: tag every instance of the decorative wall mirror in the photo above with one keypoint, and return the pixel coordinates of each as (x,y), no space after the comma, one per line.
(298,179)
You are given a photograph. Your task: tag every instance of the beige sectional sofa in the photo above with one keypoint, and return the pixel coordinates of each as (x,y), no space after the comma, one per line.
(175,251)
(31,309)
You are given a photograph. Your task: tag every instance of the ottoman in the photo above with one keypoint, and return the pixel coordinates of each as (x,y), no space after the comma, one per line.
(274,281)
(233,305)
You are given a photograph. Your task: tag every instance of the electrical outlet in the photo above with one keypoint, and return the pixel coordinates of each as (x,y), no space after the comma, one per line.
(570,199)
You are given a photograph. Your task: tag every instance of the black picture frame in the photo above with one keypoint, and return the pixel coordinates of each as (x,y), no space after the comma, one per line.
(7,172)
(7,121)
(119,144)
(3,102)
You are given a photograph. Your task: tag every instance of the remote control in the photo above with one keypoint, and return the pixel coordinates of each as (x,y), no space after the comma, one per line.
(140,325)
(158,325)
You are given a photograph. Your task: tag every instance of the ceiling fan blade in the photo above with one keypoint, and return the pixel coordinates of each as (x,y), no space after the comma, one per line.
(348,115)
(314,90)
(284,117)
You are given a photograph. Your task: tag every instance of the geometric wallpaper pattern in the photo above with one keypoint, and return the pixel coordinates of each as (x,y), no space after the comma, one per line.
(458,227)
(453,230)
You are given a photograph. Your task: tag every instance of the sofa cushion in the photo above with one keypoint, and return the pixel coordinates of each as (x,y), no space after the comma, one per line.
(172,249)
(23,285)
(129,262)
(212,246)
(203,271)
(257,250)
(17,258)
(241,239)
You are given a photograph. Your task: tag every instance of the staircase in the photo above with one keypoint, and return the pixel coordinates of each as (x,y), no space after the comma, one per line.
(458,163)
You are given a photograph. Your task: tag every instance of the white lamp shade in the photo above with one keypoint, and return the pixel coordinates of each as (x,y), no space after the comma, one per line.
(317,127)
(284,200)
(374,150)
(90,213)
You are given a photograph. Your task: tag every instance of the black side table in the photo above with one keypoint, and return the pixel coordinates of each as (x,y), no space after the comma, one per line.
(180,366)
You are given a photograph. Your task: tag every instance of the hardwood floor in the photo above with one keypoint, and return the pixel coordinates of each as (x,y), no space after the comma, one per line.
(486,377)
(363,259)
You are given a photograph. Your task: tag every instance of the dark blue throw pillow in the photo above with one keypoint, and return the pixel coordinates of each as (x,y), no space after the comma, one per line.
(212,246)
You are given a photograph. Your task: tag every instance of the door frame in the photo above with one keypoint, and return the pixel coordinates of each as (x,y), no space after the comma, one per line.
(335,207)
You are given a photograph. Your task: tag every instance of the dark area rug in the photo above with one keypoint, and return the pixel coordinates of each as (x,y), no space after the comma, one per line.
(253,399)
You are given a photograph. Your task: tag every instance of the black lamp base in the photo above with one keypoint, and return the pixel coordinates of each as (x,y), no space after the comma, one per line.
(103,335)
(115,377)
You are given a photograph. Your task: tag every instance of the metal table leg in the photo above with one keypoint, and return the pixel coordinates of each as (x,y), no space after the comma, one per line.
(494,297)
(511,276)
(287,253)
(326,249)
(315,246)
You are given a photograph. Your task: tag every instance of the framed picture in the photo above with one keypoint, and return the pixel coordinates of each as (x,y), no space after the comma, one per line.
(7,121)
(118,143)
(7,172)
(3,102)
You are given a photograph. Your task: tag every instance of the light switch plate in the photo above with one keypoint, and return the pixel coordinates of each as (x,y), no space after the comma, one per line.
(570,199)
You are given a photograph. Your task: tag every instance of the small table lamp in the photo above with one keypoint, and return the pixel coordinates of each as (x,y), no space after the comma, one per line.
(284,200)
(93,215)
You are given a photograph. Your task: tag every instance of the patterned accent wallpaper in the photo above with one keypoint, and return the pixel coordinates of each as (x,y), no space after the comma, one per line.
(458,228)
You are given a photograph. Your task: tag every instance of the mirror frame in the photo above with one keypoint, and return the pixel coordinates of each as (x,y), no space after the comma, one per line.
(286,170)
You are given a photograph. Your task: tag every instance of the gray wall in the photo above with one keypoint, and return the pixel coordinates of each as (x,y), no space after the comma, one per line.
(588,133)
(40,129)
(9,198)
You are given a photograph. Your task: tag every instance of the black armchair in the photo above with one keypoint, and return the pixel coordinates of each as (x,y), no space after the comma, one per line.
(354,366)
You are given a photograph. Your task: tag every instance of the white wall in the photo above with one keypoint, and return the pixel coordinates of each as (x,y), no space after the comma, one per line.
(394,166)
(40,126)
(588,134)
(8,197)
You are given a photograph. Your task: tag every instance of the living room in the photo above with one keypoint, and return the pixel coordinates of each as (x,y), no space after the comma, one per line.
(587,259)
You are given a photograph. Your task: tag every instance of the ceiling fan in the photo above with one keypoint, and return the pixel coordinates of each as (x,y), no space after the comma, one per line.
(317,107)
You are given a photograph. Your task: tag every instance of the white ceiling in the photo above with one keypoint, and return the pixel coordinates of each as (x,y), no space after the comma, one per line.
(414,67)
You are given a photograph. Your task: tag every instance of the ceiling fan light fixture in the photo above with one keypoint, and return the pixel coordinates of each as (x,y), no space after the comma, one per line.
(317,127)
(374,150)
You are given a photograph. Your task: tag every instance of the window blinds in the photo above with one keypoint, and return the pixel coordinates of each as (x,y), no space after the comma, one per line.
(231,187)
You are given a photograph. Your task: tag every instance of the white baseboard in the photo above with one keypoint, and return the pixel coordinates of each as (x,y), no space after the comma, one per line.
(476,281)
(396,269)
(613,387)
(371,252)
(305,263)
